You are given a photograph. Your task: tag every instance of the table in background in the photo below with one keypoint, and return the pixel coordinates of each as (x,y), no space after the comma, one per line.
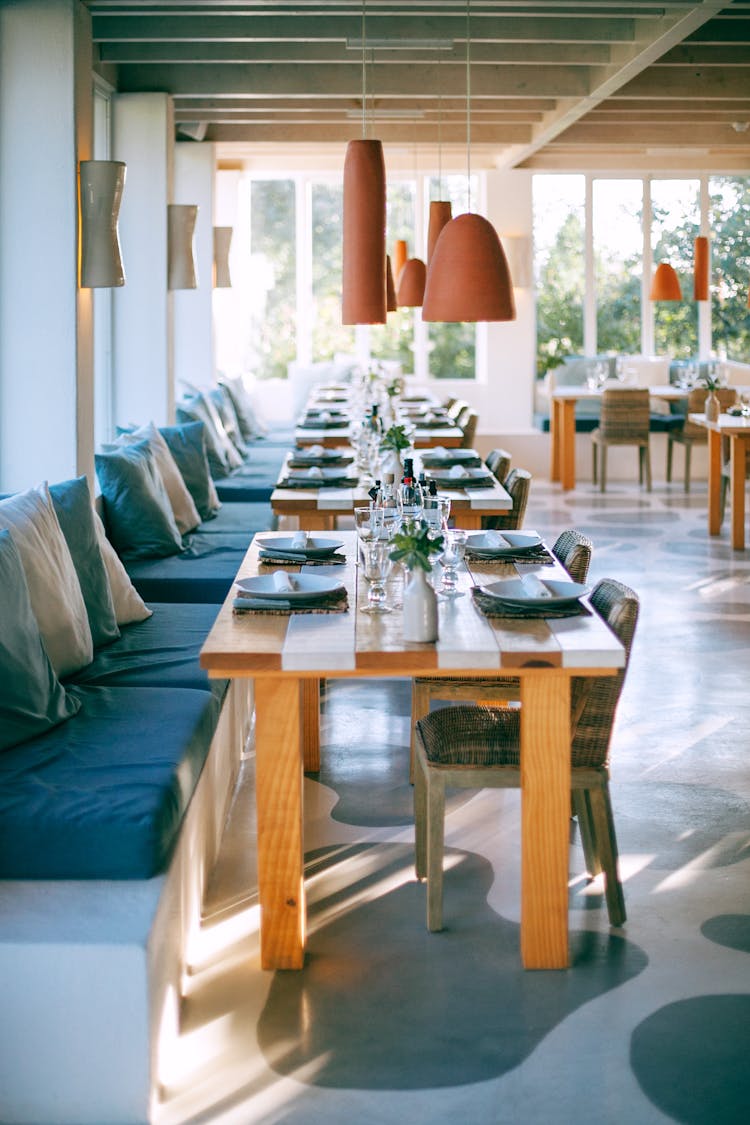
(288,656)
(737,431)
(318,509)
(424,438)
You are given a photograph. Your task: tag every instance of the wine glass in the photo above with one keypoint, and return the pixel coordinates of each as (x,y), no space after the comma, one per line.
(377,554)
(451,559)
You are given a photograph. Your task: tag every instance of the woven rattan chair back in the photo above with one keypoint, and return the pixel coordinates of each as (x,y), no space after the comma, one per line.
(624,415)
(498,462)
(517,484)
(456,407)
(573,551)
(469,428)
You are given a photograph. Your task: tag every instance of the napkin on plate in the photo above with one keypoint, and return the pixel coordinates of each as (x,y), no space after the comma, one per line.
(299,541)
(316,472)
(282,582)
(458,472)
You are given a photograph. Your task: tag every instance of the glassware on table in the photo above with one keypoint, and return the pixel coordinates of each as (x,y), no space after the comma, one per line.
(451,559)
(377,567)
(366,522)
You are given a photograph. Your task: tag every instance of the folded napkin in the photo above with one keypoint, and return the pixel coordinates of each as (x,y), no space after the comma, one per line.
(539,555)
(336,602)
(282,582)
(267,556)
(493,607)
(316,450)
(315,471)
(299,540)
(468,483)
(318,482)
(449,458)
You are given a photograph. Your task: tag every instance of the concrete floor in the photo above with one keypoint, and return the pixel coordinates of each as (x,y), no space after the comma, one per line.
(391,1024)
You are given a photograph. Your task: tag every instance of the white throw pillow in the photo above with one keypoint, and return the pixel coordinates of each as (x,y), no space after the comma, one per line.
(129,605)
(54,589)
(186,514)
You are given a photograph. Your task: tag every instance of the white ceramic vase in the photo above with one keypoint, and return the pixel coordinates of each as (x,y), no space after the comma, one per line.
(390,462)
(420,609)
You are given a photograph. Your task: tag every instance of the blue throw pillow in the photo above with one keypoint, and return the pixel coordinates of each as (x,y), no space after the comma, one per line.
(75,512)
(32,698)
(137,511)
(187,444)
(195,409)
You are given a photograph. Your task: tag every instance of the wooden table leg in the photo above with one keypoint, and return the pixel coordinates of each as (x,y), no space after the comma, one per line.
(545,815)
(311,725)
(714,482)
(470,521)
(737,484)
(278,795)
(554,438)
(316,521)
(567,443)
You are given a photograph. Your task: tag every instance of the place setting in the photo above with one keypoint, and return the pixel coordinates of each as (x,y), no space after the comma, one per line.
(282,593)
(508,546)
(461,477)
(529,596)
(317,456)
(319,477)
(442,458)
(303,548)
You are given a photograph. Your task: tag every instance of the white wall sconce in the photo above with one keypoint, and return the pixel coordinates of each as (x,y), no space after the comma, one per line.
(518,252)
(181,269)
(222,242)
(101,184)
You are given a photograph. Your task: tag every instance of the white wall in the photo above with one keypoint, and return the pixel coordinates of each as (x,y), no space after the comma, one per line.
(193,324)
(46,358)
(143,136)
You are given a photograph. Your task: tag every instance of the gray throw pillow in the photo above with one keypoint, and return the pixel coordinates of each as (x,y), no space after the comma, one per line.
(75,513)
(187,444)
(32,698)
(137,511)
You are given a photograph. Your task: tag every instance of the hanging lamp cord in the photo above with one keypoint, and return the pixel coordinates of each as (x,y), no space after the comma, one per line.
(440,132)
(468,105)
(364,74)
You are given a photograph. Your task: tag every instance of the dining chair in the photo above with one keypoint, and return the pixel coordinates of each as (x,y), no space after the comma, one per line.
(573,551)
(690,434)
(517,484)
(476,747)
(469,428)
(624,420)
(498,462)
(456,407)
(461,418)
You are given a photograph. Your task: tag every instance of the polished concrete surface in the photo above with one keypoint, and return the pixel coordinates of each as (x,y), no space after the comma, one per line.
(388,1023)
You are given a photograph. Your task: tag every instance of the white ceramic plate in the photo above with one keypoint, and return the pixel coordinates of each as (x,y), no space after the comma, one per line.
(538,592)
(314,547)
(497,543)
(303,586)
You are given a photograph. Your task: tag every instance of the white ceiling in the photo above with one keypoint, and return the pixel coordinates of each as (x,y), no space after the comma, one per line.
(591,84)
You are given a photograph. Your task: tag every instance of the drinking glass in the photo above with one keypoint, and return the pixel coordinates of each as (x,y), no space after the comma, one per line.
(451,559)
(377,554)
(366,523)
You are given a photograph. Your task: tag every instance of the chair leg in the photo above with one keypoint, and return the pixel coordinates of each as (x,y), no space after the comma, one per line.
(420,706)
(644,462)
(420,820)
(603,478)
(593,461)
(670,450)
(723,488)
(606,842)
(435,846)
(582,811)
(688,451)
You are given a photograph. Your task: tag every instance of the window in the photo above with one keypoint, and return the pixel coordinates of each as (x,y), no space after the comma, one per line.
(675,222)
(558,203)
(271,340)
(395,339)
(329,335)
(730,265)
(618,264)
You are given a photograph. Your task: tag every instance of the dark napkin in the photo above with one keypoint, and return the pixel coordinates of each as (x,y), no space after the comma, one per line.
(319,482)
(469,483)
(299,462)
(317,424)
(269,556)
(336,602)
(473,461)
(540,556)
(493,607)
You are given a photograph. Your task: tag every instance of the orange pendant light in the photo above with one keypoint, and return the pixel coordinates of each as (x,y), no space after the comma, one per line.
(440,214)
(411,283)
(391,304)
(701,269)
(666,284)
(469,279)
(364,234)
(400,254)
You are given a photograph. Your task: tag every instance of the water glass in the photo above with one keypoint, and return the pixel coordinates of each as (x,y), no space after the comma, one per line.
(366,523)
(451,559)
(377,554)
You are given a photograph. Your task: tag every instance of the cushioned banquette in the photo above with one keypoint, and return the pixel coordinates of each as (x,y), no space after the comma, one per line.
(117,765)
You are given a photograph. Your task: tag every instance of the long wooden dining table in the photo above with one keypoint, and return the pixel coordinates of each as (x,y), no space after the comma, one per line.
(287,656)
(737,432)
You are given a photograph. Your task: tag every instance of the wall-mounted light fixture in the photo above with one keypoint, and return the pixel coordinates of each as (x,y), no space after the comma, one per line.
(222,242)
(101,184)
(181,271)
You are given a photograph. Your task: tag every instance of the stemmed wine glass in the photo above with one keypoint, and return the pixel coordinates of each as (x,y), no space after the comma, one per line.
(451,559)
(377,568)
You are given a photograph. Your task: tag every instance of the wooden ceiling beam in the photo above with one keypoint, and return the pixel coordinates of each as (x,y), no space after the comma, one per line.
(389,132)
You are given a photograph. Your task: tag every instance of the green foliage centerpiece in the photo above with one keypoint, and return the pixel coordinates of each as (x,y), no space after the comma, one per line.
(414,545)
(394,440)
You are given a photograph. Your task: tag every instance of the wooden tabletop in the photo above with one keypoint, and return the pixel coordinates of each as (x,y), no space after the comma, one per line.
(355,643)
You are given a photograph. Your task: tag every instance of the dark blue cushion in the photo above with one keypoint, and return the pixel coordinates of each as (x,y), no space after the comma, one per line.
(139,517)
(243,489)
(31,697)
(240,518)
(187,444)
(196,409)
(103,796)
(163,651)
(72,503)
(203,573)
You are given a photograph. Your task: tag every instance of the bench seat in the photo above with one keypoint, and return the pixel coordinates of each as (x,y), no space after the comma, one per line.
(244,518)
(204,572)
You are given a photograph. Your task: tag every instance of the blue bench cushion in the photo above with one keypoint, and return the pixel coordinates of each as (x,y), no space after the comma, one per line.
(103,795)
(204,572)
(658,423)
(160,652)
(244,489)
(242,519)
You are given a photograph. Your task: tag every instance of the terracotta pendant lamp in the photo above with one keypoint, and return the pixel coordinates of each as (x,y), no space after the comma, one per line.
(400,254)
(411,283)
(666,284)
(364,266)
(101,184)
(391,304)
(701,269)
(468,279)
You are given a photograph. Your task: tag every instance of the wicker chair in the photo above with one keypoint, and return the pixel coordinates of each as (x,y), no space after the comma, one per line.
(498,462)
(456,407)
(469,428)
(690,434)
(573,551)
(624,420)
(476,747)
(517,485)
